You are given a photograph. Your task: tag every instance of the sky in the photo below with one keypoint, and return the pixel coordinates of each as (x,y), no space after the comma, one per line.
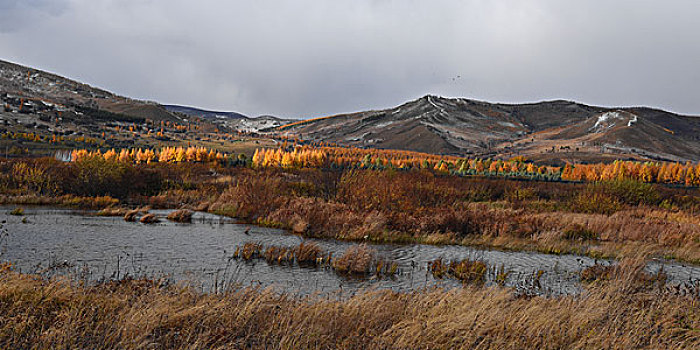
(309,58)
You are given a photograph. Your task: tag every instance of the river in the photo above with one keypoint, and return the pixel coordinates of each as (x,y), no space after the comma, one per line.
(51,241)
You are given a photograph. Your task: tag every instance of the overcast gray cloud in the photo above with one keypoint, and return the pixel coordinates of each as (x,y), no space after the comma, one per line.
(304,58)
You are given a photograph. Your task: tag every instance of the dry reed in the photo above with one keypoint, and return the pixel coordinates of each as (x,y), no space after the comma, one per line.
(466,270)
(357,259)
(182,216)
(113,211)
(131,215)
(149,219)
(138,314)
(308,253)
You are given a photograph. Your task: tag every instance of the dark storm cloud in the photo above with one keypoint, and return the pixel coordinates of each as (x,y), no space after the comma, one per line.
(307,58)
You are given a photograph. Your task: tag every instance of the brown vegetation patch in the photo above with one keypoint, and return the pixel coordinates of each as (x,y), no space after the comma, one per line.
(358,259)
(308,253)
(249,251)
(467,271)
(131,215)
(149,219)
(112,211)
(279,255)
(182,215)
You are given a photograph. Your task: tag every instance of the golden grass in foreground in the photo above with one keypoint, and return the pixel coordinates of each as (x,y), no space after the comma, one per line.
(139,314)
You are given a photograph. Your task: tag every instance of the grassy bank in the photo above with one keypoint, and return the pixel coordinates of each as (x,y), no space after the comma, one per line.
(606,219)
(622,313)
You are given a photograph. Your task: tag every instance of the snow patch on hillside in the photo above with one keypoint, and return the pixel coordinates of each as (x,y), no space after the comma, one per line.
(607,119)
(442,110)
(255,124)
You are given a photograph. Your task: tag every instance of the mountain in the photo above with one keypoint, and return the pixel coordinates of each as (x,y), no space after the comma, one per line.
(196,112)
(37,106)
(232,120)
(35,98)
(549,131)
(28,83)
(42,113)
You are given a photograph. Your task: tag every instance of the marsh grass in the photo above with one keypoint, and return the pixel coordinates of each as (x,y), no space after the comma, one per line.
(308,253)
(130,215)
(181,216)
(149,219)
(578,232)
(83,202)
(279,255)
(466,271)
(19,211)
(112,211)
(629,268)
(620,313)
(249,251)
(392,206)
(357,259)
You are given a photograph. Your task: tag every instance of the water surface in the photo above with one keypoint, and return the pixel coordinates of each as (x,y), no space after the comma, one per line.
(53,241)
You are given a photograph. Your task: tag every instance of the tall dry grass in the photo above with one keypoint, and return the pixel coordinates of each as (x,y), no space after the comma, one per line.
(391,206)
(357,259)
(141,314)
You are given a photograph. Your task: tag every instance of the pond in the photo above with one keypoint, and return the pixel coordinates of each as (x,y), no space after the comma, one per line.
(52,241)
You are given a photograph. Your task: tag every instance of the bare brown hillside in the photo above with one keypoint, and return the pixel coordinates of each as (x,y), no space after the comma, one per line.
(548,131)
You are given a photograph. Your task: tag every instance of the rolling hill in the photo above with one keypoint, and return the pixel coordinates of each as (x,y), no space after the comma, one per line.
(551,131)
(37,94)
(29,83)
(42,113)
(232,120)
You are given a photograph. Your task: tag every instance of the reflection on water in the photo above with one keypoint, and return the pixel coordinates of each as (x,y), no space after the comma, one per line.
(59,241)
